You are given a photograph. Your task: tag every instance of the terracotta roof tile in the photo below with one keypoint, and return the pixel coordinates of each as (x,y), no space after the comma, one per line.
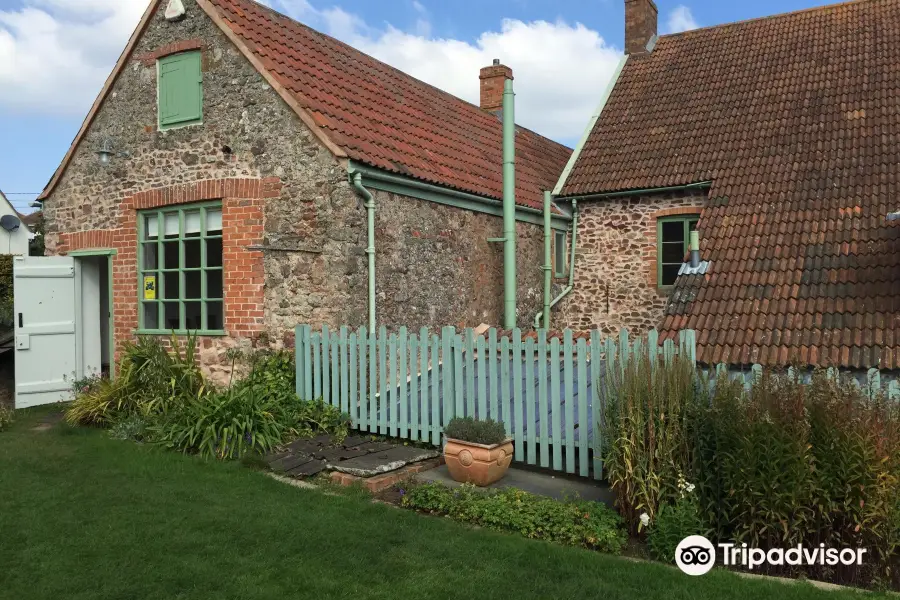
(795,120)
(385,118)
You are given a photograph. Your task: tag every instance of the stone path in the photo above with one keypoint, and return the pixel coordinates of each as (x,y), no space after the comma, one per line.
(357,455)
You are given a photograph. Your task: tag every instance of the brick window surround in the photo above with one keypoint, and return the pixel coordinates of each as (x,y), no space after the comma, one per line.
(650,254)
(150,58)
(242,227)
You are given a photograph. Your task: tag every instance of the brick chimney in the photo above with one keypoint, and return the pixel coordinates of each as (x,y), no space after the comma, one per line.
(640,25)
(492,80)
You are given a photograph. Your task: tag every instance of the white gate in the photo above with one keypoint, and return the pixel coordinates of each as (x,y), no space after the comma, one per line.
(45,319)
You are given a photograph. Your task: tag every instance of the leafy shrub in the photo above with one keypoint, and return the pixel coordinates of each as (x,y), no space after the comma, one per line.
(646,419)
(574,523)
(272,373)
(150,379)
(132,427)
(674,522)
(6,417)
(476,431)
(6,291)
(792,462)
(221,425)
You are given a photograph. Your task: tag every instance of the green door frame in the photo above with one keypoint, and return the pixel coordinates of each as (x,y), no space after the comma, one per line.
(109,253)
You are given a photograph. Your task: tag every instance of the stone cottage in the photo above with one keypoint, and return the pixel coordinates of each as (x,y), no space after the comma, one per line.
(224,169)
(777,140)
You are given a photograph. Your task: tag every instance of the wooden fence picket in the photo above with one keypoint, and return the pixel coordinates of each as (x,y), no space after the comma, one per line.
(548,391)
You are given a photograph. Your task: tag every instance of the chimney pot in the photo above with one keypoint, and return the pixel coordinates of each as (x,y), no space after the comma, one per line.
(493,79)
(641,24)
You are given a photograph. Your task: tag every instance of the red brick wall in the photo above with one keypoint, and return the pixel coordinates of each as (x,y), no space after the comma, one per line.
(242,228)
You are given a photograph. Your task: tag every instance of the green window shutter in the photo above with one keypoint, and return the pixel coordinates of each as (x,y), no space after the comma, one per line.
(180,89)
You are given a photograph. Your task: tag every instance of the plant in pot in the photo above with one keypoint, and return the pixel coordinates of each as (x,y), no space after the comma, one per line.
(477,451)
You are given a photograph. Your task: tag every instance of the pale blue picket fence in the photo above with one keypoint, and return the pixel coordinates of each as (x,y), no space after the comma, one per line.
(409,385)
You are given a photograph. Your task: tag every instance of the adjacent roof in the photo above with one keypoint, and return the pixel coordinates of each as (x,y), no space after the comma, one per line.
(795,119)
(370,112)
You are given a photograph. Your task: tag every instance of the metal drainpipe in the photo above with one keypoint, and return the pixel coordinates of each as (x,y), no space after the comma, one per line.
(370,249)
(571,286)
(509,205)
(548,261)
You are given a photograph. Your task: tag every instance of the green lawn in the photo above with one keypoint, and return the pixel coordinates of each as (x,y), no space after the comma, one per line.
(84,516)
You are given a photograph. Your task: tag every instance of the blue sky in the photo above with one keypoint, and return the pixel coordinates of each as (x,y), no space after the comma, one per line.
(55,54)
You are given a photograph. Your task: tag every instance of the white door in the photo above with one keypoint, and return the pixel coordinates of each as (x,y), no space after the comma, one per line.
(45,315)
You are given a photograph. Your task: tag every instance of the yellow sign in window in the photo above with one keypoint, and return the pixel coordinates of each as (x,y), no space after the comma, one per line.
(150,287)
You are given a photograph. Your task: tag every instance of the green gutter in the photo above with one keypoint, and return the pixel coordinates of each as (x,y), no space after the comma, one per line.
(376,179)
(545,314)
(356,179)
(590,127)
(699,185)
(548,261)
(509,206)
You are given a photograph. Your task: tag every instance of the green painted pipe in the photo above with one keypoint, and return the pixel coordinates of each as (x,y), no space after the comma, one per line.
(509,205)
(370,249)
(571,286)
(548,261)
(671,188)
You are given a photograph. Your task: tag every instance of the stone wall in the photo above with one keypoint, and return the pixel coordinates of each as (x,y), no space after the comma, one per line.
(435,267)
(302,257)
(248,133)
(615,263)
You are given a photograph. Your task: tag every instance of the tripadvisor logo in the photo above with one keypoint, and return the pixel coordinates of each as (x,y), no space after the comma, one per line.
(696,555)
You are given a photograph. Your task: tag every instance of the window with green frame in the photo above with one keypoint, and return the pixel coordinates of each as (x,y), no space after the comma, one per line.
(180,89)
(180,278)
(673,235)
(559,255)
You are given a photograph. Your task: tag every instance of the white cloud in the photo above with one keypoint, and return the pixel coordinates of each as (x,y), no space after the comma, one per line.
(680,19)
(560,69)
(55,54)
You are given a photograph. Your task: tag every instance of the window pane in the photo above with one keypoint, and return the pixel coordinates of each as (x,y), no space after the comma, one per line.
(673,253)
(669,274)
(214,316)
(692,225)
(171,285)
(673,231)
(214,221)
(151,315)
(214,283)
(214,252)
(171,224)
(170,255)
(151,227)
(172,315)
(191,254)
(192,315)
(192,284)
(192,223)
(151,255)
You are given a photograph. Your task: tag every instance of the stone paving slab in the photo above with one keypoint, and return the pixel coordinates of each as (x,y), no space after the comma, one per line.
(358,455)
(308,468)
(382,462)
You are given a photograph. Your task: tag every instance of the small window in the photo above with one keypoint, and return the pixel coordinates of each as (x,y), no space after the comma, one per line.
(559,256)
(673,242)
(180,275)
(180,93)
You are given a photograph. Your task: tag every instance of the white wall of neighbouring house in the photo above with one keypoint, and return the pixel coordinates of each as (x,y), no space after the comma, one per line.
(13,242)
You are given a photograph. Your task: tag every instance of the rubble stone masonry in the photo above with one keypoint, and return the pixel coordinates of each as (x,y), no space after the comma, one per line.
(615,263)
(294,230)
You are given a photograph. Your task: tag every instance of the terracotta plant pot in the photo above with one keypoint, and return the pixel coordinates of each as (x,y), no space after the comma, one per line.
(477,463)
